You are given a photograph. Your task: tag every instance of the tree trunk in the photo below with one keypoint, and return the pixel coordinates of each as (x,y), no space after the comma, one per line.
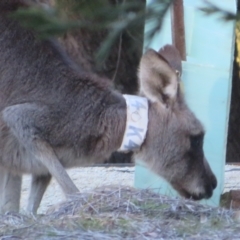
(233,141)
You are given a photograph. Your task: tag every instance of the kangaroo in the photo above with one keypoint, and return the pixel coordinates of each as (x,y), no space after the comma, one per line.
(55,115)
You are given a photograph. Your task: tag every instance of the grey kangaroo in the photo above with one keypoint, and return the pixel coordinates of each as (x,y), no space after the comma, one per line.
(55,115)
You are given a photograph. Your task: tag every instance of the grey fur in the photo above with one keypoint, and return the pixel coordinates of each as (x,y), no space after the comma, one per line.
(55,115)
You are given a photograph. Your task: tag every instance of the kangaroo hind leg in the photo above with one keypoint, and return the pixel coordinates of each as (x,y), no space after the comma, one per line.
(10,191)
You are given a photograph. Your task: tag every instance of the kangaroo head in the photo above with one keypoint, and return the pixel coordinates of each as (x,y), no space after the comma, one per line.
(173,147)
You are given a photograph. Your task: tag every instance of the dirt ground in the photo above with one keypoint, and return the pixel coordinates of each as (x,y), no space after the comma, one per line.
(118,211)
(85,179)
(92,177)
(115,212)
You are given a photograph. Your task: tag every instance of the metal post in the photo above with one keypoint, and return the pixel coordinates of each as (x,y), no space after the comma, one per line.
(178,31)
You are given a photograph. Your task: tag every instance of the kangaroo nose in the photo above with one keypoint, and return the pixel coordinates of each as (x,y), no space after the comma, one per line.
(211,185)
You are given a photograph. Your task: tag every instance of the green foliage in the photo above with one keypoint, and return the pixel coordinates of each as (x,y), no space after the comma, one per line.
(223,14)
(46,22)
(101,15)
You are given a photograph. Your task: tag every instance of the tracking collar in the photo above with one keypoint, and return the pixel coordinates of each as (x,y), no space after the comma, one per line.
(137,123)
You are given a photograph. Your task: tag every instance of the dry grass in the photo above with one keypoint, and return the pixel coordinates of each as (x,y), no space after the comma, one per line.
(123,213)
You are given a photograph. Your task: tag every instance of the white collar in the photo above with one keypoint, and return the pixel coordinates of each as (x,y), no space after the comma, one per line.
(137,123)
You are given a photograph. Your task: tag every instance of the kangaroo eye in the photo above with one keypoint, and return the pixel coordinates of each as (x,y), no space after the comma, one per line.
(196,141)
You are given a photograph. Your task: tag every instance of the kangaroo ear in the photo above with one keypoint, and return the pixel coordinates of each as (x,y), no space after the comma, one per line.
(159,74)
